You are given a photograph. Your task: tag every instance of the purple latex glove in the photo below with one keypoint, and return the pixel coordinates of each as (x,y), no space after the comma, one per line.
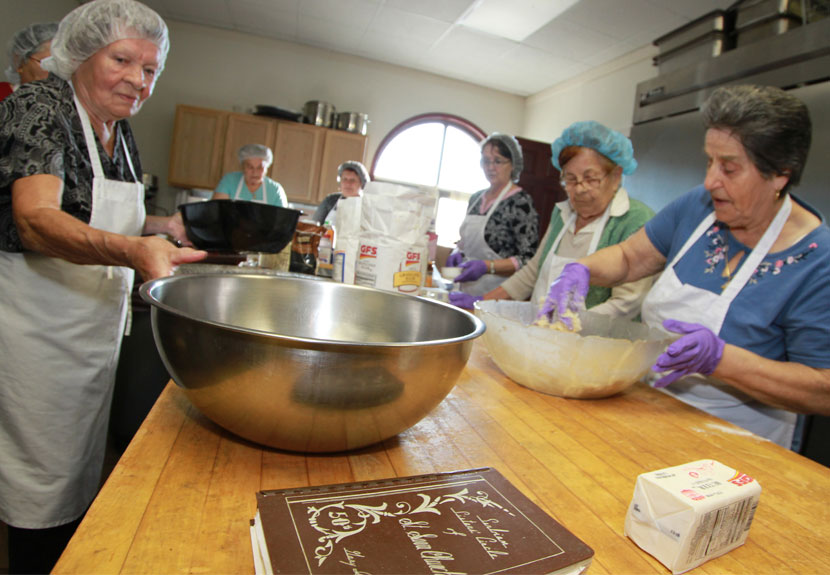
(473,269)
(567,292)
(455,259)
(463,300)
(698,351)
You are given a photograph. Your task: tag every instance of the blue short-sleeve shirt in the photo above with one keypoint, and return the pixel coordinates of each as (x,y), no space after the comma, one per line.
(783,313)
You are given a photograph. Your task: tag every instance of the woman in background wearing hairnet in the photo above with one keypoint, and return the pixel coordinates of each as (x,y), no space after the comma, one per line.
(251,184)
(745,271)
(352,177)
(501,230)
(591,159)
(27,49)
(71,223)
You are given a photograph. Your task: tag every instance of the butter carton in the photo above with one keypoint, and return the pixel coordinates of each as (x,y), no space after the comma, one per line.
(691,513)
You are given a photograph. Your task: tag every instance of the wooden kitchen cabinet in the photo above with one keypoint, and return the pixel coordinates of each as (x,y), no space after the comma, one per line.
(297,153)
(306,157)
(338,147)
(197,147)
(245,129)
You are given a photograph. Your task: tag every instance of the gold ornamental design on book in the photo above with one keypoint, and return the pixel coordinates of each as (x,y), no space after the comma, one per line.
(464,522)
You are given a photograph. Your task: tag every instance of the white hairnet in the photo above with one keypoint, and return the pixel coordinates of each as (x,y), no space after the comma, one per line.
(357,168)
(94,25)
(249,151)
(610,143)
(512,144)
(26,42)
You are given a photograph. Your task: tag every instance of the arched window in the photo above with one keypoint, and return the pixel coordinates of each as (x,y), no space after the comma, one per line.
(435,150)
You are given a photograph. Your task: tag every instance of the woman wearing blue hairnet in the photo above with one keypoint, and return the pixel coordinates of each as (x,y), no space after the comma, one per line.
(501,230)
(27,49)
(745,272)
(252,184)
(598,212)
(72,221)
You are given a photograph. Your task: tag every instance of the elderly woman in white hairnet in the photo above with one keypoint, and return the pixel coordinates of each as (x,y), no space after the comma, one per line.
(27,49)
(251,184)
(352,177)
(501,229)
(597,213)
(72,230)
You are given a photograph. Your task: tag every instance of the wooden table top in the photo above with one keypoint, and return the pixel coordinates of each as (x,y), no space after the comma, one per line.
(181,497)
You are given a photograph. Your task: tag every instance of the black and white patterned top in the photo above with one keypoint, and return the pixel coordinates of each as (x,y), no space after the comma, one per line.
(513,229)
(41,133)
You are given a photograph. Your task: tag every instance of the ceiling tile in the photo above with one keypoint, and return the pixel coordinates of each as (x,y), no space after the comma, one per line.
(328,33)
(356,13)
(693,9)
(444,10)
(568,39)
(392,22)
(622,20)
(423,34)
(263,20)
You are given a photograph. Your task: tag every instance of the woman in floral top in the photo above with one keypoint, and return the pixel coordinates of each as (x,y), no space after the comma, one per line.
(745,272)
(501,230)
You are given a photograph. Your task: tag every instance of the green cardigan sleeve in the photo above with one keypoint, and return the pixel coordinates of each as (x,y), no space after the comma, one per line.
(617,230)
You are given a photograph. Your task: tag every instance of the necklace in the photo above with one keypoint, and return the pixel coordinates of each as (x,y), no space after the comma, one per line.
(727,271)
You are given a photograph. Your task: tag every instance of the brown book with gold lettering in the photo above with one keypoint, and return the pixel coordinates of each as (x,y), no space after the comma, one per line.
(471,521)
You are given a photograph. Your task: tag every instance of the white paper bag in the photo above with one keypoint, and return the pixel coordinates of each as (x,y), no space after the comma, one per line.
(394,221)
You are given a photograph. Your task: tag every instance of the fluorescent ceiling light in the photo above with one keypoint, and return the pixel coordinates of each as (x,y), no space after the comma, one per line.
(513,19)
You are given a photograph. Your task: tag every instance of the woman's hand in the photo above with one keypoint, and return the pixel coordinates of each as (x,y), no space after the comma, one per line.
(567,293)
(155,257)
(473,269)
(172,226)
(463,300)
(698,351)
(454,259)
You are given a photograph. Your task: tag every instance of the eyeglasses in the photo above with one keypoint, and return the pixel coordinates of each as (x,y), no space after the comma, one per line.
(496,162)
(38,60)
(589,182)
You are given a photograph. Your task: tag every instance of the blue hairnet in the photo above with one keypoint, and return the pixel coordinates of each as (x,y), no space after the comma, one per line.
(594,135)
(357,168)
(512,144)
(99,23)
(249,151)
(26,42)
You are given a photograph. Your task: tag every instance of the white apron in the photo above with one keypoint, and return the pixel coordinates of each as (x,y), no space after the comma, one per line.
(264,199)
(553,264)
(59,345)
(671,299)
(475,248)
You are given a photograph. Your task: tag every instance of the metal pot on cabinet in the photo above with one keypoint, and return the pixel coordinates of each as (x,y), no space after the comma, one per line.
(318,113)
(354,122)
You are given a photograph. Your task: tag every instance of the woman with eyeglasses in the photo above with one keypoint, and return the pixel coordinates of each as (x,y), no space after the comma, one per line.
(501,230)
(27,49)
(744,270)
(598,212)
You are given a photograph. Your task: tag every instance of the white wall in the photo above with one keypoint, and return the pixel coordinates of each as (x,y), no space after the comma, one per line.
(605,94)
(227,70)
(232,71)
(17,14)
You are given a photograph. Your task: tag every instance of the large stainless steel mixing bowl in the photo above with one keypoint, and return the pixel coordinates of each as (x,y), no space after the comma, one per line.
(307,365)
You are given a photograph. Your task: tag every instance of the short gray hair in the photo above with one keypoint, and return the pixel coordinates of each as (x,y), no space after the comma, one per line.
(99,23)
(773,126)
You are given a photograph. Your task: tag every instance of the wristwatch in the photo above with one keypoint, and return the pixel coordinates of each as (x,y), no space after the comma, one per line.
(492,266)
